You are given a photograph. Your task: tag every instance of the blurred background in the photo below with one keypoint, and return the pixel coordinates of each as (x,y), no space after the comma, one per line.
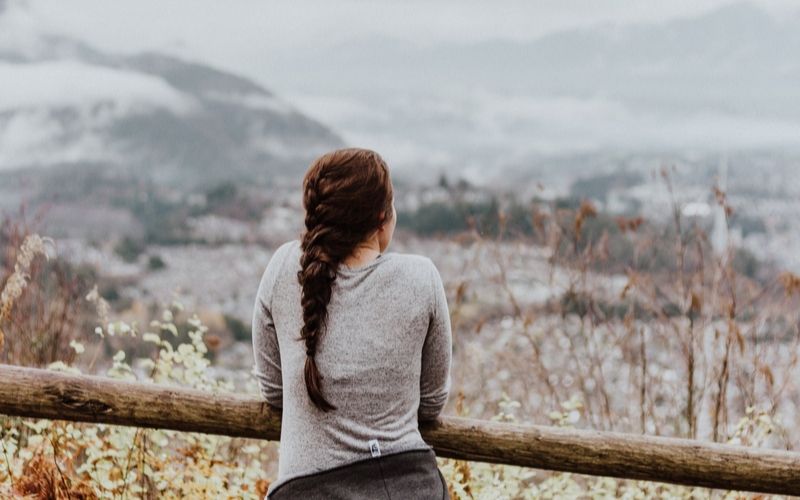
(610,189)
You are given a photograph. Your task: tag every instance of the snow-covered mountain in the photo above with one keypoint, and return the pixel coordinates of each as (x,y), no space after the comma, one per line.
(64,104)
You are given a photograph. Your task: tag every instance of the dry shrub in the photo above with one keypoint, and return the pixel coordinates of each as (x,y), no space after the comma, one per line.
(41,306)
(104,461)
(43,479)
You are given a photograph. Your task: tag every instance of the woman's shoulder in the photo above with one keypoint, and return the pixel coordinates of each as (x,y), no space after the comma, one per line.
(414,264)
(289,246)
(412,259)
(285,250)
(277,263)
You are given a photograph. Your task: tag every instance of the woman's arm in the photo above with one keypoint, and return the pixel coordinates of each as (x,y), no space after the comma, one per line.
(267,353)
(435,377)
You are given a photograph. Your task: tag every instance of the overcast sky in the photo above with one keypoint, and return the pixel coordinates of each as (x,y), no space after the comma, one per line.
(233,34)
(207,24)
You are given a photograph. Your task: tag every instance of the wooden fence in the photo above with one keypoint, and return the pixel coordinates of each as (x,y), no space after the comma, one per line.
(36,393)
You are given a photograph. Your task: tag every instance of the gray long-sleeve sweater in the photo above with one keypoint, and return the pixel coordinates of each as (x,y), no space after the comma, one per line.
(385,359)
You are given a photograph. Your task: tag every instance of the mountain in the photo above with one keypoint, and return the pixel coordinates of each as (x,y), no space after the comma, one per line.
(68,106)
(724,80)
(719,56)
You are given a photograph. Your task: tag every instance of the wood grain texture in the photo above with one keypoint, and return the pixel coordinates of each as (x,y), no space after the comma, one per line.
(36,393)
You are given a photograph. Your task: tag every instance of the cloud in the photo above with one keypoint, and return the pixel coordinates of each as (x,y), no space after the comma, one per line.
(564,124)
(34,137)
(484,128)
(73,83)
(35,129)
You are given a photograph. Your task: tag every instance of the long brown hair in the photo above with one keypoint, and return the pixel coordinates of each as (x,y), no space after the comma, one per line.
(347,195)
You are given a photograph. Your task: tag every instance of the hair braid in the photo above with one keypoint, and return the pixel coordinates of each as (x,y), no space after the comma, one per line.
(318,272)
(345,193)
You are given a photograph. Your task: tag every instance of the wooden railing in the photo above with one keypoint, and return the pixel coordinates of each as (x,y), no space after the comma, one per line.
(29,392)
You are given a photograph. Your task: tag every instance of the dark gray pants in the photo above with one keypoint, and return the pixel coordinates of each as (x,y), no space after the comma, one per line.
(410,474)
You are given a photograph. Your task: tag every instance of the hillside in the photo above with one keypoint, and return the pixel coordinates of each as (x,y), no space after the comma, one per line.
(152,116)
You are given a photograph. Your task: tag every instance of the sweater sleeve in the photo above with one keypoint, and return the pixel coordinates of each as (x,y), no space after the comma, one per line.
(266,349)
(435,379)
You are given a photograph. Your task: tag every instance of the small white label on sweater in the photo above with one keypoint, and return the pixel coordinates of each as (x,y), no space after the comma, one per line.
(374,448)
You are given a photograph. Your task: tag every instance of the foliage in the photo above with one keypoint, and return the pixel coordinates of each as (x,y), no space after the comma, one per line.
(54,459)
(129,249)
(678,338)
(469,480)
(155,262)
(597,187)
(39,316)
(238,328)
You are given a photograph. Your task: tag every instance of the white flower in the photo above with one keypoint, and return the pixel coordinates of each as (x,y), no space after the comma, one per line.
(77,346)
(151,337)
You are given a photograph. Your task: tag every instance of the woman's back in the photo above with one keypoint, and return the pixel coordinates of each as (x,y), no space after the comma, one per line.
(384,359)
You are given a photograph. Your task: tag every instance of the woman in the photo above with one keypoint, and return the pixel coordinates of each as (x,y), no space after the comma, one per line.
(352,343)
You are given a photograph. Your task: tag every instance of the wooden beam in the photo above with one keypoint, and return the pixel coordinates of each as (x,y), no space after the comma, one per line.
(36,393)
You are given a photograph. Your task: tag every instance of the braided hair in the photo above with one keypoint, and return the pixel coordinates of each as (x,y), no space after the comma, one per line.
(347,195)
